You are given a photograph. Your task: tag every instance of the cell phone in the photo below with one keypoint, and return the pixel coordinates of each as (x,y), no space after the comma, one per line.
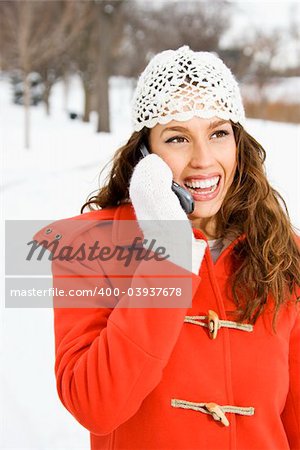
(184,196)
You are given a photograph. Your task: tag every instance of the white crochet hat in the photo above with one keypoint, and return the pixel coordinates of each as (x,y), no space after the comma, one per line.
(180,84)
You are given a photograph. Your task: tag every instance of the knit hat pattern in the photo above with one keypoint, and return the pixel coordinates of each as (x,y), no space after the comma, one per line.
(180,84)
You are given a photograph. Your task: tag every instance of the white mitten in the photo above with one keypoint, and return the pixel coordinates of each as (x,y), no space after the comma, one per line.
(156,205)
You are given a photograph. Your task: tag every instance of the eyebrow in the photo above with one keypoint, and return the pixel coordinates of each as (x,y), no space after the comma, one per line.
(211,126)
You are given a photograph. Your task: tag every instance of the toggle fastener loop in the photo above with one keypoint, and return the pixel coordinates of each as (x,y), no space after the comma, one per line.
(215,410)
(213,323)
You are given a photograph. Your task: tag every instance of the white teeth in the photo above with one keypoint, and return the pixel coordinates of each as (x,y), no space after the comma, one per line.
(212,189)
(203,183)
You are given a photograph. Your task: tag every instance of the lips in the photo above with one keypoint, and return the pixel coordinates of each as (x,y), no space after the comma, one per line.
(203,187)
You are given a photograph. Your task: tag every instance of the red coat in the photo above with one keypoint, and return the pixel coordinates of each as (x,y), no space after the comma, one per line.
(128,374)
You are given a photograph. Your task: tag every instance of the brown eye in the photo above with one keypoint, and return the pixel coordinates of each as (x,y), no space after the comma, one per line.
(175,140)
(220,133)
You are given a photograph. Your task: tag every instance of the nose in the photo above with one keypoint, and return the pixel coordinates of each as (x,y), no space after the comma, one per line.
(201,156)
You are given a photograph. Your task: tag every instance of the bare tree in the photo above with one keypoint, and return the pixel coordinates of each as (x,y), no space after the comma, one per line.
(15,21)
(84,57)
(27,29)
(93,55)
(264,49)
(109,13)
(293,34)
(153,27)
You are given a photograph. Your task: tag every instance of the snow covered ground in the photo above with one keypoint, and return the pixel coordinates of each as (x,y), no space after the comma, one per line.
(51,181)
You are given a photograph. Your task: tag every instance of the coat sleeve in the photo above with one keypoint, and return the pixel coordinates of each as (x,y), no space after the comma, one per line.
(109,359)
(291,413)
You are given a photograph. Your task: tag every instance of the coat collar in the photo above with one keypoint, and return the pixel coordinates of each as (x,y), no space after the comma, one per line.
(125,227)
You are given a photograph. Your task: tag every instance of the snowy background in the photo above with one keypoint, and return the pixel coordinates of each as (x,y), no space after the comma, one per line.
(51,181)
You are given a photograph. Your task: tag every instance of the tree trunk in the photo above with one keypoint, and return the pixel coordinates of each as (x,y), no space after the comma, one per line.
(103,101)
(46,97)
(26,111)
(104,40)
(23,47)
(87,103)
(66,85)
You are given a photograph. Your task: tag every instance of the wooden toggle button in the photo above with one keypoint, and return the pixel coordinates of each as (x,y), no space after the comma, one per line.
(217,413)
(213,324)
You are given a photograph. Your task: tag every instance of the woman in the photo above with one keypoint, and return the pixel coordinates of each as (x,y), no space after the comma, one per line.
(222,372)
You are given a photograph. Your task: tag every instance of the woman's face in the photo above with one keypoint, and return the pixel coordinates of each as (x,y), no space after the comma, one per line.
(202,156)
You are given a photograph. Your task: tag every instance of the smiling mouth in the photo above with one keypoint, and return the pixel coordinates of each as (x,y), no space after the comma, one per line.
(207,186)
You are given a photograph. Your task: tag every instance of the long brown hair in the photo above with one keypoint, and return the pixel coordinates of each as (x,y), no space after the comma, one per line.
(266,261)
